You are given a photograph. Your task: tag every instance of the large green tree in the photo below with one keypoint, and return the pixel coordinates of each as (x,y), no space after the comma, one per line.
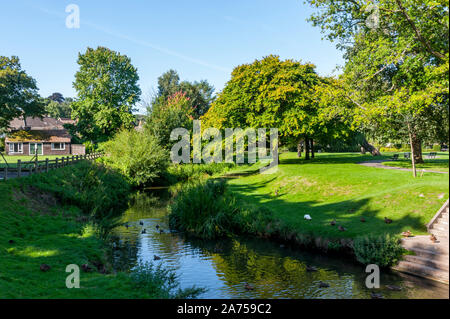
(200,93)
(18,92)
(271,93)
(107,90)
(174,112)
(57,106)
(396,71)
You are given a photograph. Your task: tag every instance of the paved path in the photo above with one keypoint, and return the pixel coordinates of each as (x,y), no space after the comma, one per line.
(378,164)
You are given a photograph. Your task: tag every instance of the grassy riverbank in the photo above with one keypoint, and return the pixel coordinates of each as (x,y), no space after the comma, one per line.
(334,186)
(60,218)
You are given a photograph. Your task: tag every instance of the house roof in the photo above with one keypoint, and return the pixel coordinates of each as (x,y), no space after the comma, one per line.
(53,136)
(37,123)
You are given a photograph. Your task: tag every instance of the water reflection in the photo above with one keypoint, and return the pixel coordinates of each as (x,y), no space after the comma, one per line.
(225,266)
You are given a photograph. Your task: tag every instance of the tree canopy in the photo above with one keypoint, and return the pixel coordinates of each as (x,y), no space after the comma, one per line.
(396,72)
(200,93)
(18,92)
(107,90)
(271,93)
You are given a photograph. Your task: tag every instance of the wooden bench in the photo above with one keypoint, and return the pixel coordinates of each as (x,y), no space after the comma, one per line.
(407,155)
(432,155)
(394,157)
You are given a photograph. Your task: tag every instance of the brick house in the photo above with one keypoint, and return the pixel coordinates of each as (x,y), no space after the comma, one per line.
(41,136)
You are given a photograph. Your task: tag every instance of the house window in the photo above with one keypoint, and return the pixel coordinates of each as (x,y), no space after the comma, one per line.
(36,149)
(58,146)
(15,148)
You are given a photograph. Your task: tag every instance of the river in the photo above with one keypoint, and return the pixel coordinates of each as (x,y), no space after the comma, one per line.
(225,266)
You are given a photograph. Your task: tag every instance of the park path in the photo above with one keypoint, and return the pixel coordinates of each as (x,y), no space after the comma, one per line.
(378,164)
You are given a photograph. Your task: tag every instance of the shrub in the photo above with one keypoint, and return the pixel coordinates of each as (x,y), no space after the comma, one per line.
(98,191)
(185,172)
(137,156)
(384,250)
(203,210)
(161,282)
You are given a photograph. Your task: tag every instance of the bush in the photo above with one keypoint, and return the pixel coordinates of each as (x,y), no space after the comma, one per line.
(185,172)
(98,191)
(137,156)
(203,210)
(384,250)
(161,282)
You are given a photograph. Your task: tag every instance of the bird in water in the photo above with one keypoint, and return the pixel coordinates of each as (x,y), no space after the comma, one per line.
(323,284)
(141,222)
(156,257)
(374,295)
(387,220)
(144,231)
(394,288)
(247,286)
(157,226)
(341,228)
(311,268)
(363,220)
(333,222)
(161,231)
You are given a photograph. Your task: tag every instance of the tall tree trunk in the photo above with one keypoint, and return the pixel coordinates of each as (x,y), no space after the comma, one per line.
(370,148)
(312,147)
(412,150)
(417,145)
(306,148)
(299,149)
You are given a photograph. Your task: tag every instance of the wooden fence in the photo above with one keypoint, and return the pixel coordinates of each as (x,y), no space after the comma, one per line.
(30,167)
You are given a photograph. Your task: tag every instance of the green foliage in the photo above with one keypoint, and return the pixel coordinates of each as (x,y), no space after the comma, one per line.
(272,93)
(18,92)
(166,115)
(185,172)
(162,282)
(57,106)
(107,89)
(200,94)
(98,191)
(396,72)
(382,250)
(201,210)
(137,155)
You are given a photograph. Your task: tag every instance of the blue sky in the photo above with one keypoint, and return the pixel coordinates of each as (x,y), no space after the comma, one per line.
(201,39)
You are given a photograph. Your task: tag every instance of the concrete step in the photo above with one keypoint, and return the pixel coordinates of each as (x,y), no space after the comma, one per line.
(438,262)
(423,271)
(424,243)
(429,254)
(439,226)
(442,235)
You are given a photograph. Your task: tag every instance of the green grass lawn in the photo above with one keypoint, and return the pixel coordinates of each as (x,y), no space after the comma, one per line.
(12,160)
(440,163)
(44,231)
(334,186)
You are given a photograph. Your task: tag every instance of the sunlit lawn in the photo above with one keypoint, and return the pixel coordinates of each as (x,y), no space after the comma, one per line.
(440,163)
(334,186)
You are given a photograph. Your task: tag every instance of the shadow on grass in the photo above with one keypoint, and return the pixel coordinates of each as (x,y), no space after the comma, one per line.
(347,213)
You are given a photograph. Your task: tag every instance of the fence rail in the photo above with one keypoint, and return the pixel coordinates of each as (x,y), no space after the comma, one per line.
(25,168)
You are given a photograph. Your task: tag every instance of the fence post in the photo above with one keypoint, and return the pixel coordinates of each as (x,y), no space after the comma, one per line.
(19,167)
(56,162)
(5,177)
(36,165)
(46,165)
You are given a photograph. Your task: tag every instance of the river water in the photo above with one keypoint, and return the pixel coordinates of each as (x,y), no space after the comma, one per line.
(273,270)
